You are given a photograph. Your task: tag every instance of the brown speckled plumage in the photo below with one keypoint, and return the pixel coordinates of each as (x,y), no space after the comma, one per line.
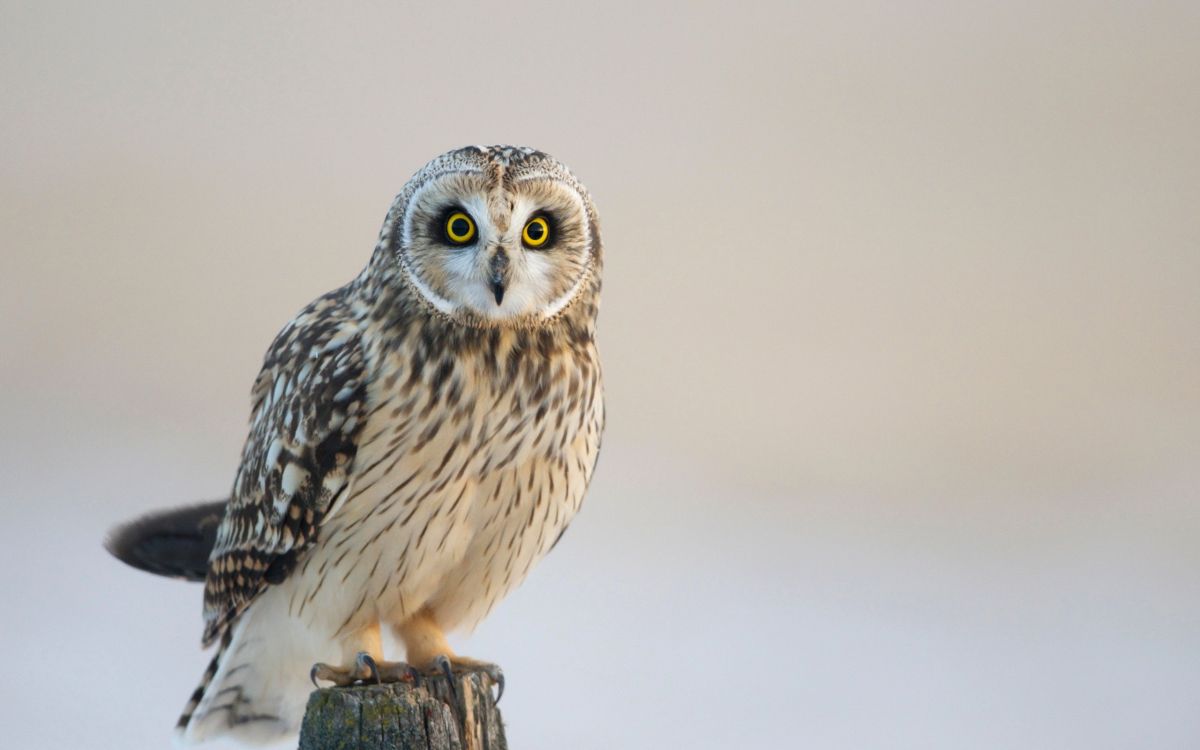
(415,447)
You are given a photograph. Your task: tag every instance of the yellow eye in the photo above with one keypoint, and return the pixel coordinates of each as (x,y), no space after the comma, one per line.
(459,228)
(536,232)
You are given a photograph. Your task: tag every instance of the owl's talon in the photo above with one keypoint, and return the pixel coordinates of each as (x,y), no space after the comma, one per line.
(364,663)
(452,666)
(339,676)
(497,676)
(442,663)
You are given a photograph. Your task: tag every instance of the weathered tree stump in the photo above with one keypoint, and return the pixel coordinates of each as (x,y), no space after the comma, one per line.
(402,717)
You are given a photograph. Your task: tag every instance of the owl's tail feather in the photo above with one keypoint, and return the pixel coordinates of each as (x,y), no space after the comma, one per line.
(256,687)
(198,695)
(174,542)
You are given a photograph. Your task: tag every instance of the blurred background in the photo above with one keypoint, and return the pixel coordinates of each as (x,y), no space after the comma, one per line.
(901,335)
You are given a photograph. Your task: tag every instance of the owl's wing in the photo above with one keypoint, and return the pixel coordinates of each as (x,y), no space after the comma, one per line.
(307,414)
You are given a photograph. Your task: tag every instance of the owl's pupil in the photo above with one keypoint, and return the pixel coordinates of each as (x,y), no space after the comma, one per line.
(536,231)
(459,227)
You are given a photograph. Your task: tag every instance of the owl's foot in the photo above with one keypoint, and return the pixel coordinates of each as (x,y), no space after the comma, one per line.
(425,644)
(363,670)
(366,669)
(455,665)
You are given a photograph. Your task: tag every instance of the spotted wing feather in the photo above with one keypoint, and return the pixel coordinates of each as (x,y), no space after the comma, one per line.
(305,421)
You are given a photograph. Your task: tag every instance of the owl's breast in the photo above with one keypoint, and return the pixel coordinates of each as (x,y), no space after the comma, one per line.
(463,480)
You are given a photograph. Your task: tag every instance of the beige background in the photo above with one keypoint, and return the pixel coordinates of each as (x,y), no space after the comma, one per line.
(901,333)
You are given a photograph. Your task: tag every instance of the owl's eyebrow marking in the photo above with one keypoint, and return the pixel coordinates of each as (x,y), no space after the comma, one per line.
(544,176)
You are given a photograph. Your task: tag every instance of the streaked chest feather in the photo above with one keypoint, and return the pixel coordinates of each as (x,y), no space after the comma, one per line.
(469,470)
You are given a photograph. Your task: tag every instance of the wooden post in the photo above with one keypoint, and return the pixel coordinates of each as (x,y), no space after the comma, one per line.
(402,717)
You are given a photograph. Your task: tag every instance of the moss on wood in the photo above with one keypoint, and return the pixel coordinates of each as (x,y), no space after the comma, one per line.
(400,716)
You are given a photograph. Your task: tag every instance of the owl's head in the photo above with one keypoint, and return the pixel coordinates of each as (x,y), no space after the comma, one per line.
(496,235)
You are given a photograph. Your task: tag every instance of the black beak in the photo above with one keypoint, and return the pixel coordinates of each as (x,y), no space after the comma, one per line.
(498,272)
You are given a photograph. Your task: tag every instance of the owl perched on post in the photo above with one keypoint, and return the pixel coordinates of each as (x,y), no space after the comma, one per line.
(419,438)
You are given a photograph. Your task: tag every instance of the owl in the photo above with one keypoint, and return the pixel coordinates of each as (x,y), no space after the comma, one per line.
(419,438)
